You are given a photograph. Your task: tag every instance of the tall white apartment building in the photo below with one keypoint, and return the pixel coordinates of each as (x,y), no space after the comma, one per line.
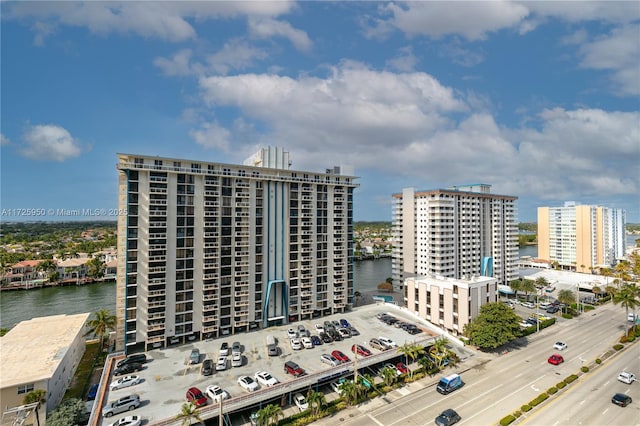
(210,249)
(460,232)
(581,237)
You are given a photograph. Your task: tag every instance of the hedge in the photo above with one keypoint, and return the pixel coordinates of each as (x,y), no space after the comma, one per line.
(618,346)
(552,390)
(507,420)
(526,408)
(539,399)
(561,385)
(567,316)
(598,361)
(570,379)
(584,369)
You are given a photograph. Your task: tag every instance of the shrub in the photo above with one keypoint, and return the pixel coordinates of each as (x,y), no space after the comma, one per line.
(584,369)
(618,347)
(507,420)
(623,339)
(570,379)
(517,414)
(561,385)
(552,390)
(526,408)
(598,361)
(589,307)
(538,399)
(631,338)
(567,316)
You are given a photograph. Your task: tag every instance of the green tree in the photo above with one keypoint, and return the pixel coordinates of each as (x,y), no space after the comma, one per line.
(596,291)
(495,325)
(269,415)
(70,412)
(316,401)
(628,297)
(389,375)
(350,391)
(516,286)
(410,350)
(188,413)
(439,351)
(3,331)
(95,267)
(36,395)
(567,297)
(528,286)
(101,324)
(541,282)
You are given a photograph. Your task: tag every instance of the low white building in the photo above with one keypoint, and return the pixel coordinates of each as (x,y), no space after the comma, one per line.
(449,303)
(42,353)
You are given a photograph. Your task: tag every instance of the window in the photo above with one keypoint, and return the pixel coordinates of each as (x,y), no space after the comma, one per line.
(25,388)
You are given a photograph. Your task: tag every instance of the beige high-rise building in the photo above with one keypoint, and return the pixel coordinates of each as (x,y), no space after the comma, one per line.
(581,238)
(209,249)
(459,232)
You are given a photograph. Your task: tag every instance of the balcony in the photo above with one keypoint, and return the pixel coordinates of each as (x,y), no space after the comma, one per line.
(210,328)
(210,276)
(209,308)
(214,286)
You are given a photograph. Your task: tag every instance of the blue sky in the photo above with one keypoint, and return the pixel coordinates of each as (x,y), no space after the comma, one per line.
(538,99)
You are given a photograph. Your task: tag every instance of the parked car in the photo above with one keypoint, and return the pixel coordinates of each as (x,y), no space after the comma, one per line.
(93,392)
(236,359)
(560,346)
(292,333)
(302,332)
(390,343)
(391,367)
(207,367)
(131,359)
(344,323)
(125,382)
(340,356)
(266,379)
(354,331)
(296,344)
(196,397)
(127,369)
(224,349)
(626,377)
(447,418)
(335,335)
(329,360)
(221,364)
(127,421)
(294,369)
(631,317)
(360,350)
(247,383)
(319,328)
(236,347)
(126,403)
(528,305)
(326,338)
(621,399)
(344,332)
(316,340)
(216,393)
(377,344)
(194,357)
(402,368)
(307,343)
(553,309)
(301,401)
(555,359)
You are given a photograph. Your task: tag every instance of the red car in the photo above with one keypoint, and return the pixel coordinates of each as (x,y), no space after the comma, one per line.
(361,350)
(196,397)
(555,359)
(402,368)
(340,356)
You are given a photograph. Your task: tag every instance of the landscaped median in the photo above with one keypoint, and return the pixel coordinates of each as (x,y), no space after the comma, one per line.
(558,388)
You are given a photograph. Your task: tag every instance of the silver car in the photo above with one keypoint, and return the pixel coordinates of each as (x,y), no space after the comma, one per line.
(126,403)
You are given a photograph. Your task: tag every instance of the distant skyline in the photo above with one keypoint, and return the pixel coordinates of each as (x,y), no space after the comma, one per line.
(540,100)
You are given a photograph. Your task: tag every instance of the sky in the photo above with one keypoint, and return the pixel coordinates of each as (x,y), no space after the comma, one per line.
(541,100)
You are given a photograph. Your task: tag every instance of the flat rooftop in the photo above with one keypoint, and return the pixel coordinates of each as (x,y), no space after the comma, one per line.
(32,350)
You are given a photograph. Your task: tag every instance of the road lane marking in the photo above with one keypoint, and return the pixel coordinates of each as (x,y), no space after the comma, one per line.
(583,401)
(519,375)
(374,419)
(605,412)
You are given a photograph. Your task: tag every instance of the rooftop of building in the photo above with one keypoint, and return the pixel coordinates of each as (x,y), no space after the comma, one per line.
(471,281)
(32,350)
(475,190)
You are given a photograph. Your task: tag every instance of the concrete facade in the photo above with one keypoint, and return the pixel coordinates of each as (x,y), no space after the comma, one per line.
(211,249)
(42,353)
(581,238)
(458,232)
(448,302)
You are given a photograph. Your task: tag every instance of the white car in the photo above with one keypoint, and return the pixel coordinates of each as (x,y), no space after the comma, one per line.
(301,401)
(626,377)
(388,342)
(296,345)
(127,421)
(236,359)
(266,379)
(329,359)
(125,382)
(319,328)
(631,317)
(216,393)
(307,343)
(221,364)
(292,333)
(560,346)
(528,305)
(247,383)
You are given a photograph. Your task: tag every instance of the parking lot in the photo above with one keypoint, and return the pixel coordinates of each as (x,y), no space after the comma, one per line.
(168,375)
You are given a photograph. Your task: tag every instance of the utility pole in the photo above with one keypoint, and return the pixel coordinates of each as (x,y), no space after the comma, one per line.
(220,410)
(355,365)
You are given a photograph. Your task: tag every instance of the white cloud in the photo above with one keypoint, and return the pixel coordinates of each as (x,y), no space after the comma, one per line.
(4,140)
(162,20)
(404,61)
(178,65)
(236,54)
(581,11)
(50,142)
(269,27)
(212,135)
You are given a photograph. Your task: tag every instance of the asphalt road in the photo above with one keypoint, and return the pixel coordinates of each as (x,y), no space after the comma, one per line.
(496,388)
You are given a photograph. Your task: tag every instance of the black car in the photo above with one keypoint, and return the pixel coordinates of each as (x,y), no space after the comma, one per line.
(353,331)
(207,367)
(316,340)
(326,338)
(621,399)
(127,369)
(552,309)
(447,418)
(133,359)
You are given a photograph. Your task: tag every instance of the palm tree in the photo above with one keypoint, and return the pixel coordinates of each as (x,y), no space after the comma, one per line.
(269,415)
(316,401)
(516,285)
(349,390)
(541,282)
(188,413)
(389,375)
(528,286)
(36,395)
(628,296)
(567,297)
(101,324)
(596,291)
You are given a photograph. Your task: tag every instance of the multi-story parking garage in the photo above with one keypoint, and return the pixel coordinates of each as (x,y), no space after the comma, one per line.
(168,376)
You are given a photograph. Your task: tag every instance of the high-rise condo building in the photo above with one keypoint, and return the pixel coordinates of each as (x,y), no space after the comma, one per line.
(210,249)
(581,238)
(461,232)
